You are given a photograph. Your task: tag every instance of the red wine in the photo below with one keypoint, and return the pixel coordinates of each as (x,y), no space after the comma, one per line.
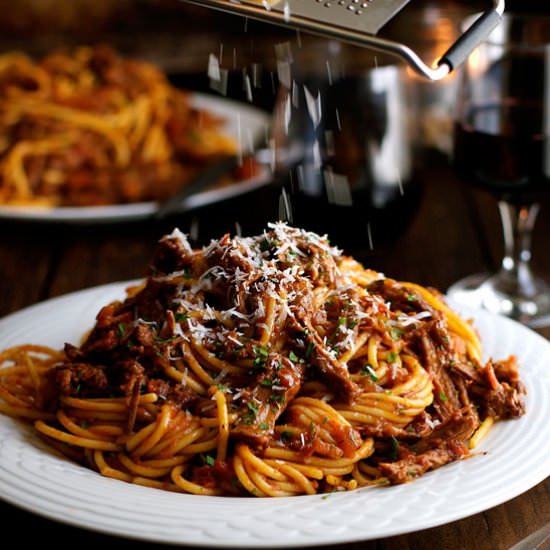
(503,149)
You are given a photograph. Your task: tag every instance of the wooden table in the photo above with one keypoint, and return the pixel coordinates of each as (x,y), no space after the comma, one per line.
(453,233)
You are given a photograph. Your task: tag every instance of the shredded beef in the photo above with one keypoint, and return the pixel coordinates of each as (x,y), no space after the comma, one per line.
(413,466)
(262,405)
(81,379)
(178,395)
(172,254)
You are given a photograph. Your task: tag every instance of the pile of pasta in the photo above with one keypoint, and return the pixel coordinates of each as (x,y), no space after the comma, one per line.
(269,366)
(89,127)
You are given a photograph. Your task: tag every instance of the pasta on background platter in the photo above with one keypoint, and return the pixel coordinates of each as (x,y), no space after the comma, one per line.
(88,127)
(268,366)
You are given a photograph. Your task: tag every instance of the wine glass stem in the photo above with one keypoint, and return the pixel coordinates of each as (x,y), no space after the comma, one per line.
(515,275)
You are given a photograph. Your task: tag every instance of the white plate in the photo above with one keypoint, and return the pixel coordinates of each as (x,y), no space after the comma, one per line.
(246,124)
(35,478)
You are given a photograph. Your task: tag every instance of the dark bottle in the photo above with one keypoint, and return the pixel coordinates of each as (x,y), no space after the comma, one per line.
(346,150)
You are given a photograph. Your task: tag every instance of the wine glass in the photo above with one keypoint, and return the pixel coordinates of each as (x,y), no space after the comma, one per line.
(502,145)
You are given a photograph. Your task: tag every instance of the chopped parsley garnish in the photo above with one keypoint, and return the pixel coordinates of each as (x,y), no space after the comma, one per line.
(209,460)
(121,329)
(396,333)
(367,370)
(270,382)
(277,398)
(264,426)
(169,339)
(258,363)
(442,396)
(260,356)
(181,317)
(250,417)
(262,351)
(391,357)
(309,350)
(411,297)
(294,358)
(394,447)
(265,245)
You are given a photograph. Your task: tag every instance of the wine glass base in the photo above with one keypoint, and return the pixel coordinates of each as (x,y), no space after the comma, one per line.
(480,291)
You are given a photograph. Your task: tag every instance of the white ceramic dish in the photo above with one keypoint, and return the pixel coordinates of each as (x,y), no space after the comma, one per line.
(37,479)
(245,123)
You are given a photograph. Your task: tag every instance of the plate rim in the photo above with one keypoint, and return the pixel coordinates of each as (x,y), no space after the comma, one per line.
(514,487)
(110,213)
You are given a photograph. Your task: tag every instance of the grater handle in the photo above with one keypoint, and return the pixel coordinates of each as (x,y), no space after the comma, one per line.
(470,39)
(439,69)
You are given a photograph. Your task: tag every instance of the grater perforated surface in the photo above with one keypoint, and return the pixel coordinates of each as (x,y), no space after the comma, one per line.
(367,16)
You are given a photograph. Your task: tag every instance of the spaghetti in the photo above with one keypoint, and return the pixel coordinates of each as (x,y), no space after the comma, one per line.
(267,366)
(88,127)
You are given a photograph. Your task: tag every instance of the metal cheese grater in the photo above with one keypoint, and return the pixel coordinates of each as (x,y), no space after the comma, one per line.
(358,22)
